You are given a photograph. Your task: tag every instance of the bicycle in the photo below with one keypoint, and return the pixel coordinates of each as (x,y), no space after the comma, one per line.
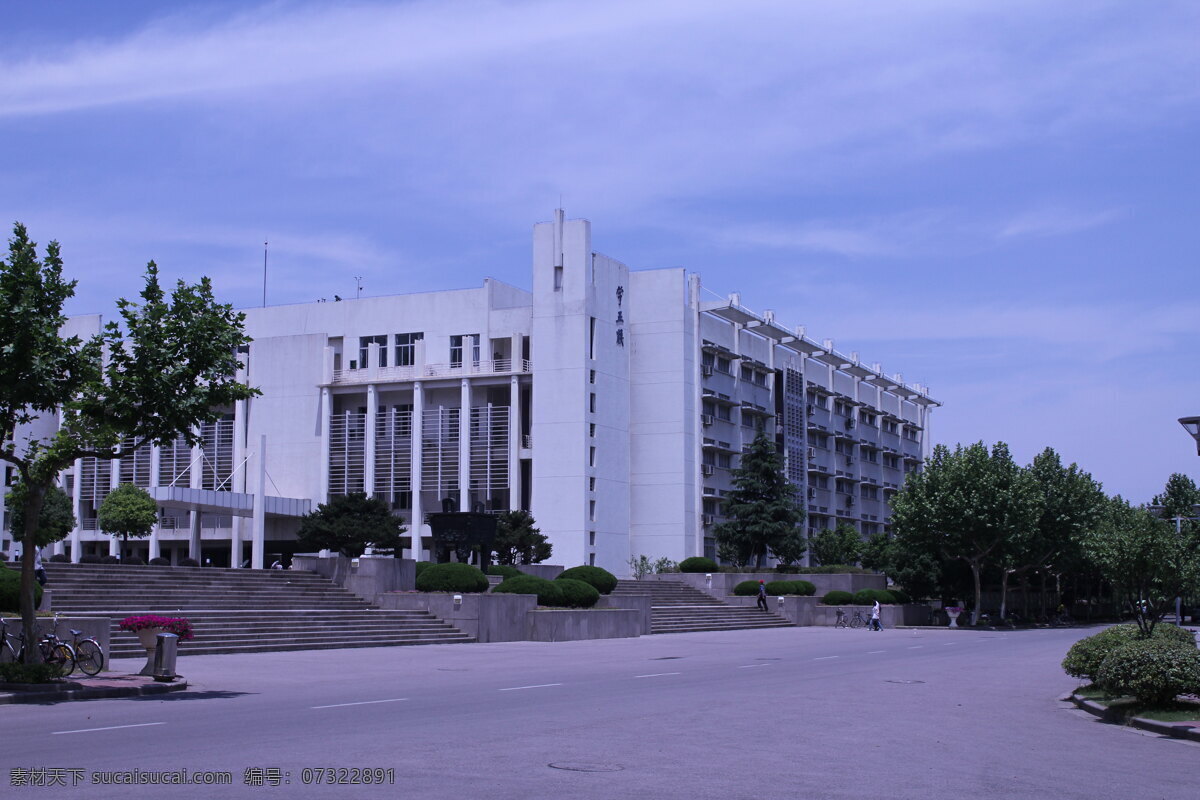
(53,650)
(857,621)
(89,655)
(840,622)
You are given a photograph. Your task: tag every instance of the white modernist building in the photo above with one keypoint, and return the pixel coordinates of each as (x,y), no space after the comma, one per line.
(611,403)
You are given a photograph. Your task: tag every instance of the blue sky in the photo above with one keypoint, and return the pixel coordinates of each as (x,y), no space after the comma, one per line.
(996,199)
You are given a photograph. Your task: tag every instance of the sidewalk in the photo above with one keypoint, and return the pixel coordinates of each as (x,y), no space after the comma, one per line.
(104,685)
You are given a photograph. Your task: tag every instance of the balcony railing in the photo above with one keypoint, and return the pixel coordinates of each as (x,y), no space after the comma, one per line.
(499,366)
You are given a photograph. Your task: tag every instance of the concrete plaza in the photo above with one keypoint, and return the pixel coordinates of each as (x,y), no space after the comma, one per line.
(790,712)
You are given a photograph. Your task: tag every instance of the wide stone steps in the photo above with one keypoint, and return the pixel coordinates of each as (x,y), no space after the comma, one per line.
(238,611)
(679,608)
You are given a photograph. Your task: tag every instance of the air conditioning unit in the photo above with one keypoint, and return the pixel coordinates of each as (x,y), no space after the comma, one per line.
(706,370)
(812,492)
(849,501)
(809,409)
(707,519)
(706,469)
(849,461)
(812,452)
(706,419)
(850,424)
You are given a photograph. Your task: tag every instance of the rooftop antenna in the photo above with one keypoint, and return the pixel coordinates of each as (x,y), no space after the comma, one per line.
(358,284)
(264,274)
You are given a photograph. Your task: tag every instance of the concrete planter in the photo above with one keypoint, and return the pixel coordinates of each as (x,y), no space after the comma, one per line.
(573,624)
(720,584)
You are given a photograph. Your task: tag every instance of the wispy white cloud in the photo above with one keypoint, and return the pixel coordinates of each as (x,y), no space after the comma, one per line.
(1056,221)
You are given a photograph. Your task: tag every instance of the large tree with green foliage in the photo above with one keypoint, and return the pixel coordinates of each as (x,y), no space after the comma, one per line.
(55,520)
(1070,504)
(163,367)
(841,545)
(763,512)
(350,524)
(518,540)
(969,505)
(1180,503)
(1145,559)
(127,511)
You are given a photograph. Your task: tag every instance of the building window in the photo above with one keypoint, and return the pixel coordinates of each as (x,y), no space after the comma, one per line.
(723,412)
(591,376)
(760,378)
(406,348)
(363,342)
(724,365)
(458,344)
(723,460)
(592,516)
(591,484)
(591,456)
(890,461)
(592,402)
(592,338)
(591,559)
(558,279)
(866,417)
(592,430)
(747,374)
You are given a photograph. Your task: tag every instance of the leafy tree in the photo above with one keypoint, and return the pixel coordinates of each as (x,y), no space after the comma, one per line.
(763,512)
(518,541)
(967,505)
(1144,558)
(842,545)
(168,365)
(55,520)
(1071,503)
(1180,499)
(350,524)
(127,511)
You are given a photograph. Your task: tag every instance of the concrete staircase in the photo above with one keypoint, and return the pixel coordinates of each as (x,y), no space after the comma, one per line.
(238,610)
(678,608)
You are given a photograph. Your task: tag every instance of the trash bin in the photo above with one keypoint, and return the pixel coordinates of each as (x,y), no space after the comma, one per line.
(164,657)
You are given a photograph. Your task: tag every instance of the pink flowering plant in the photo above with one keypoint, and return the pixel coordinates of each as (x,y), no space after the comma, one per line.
(179,626)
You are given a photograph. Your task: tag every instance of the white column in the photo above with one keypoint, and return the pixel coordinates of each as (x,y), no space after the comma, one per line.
(369,433)
(76,501)
(514,443)
(237,483)
(195,474)
(114,480)
(464,446)
(155,476)
(322,495)
(259,527)
(418,514)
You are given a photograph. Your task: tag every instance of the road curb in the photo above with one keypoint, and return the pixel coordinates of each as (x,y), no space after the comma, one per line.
(1174,730)
(78,691)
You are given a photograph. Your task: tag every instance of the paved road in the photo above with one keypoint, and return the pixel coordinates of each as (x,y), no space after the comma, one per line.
(795,712)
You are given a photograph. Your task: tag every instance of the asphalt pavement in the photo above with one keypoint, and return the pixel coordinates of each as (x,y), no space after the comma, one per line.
(795,712)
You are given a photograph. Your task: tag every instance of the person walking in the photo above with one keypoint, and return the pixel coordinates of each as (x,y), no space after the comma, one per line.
(39,571)
(876,625)
(762,595)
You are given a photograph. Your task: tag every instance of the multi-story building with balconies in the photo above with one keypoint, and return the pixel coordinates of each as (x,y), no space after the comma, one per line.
(611,403)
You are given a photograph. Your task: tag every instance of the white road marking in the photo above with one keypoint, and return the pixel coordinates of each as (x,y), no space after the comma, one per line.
(822,658)
(915,646)
(535,686)
(752,666)
(109,728)
(948,644)
(873,652)
(363,703)
(657,674)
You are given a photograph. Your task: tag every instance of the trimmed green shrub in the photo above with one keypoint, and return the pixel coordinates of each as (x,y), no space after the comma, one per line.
(452,578)
(91,559)
(183,562)
(1153,670)
(10,590)
(549,593)
(159,561)
(133,561)
(867,597)
(1084,658)
(421,566)
(59,558)
(698,564)
(603,580)
(838,598)
(504,571)
(831,569)
(577,594)
(900,595)
(29,673)
(110,560)
(805,588)
(746,589)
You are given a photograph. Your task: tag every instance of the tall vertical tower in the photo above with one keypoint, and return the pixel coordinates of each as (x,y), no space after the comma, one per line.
(580,415)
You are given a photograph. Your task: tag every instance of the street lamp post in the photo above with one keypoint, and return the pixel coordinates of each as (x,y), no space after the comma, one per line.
(1192,426)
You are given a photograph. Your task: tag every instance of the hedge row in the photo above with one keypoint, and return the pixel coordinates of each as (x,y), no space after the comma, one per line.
(698,564)
(1086,656)
(559,593)
(10,590)
(863,597)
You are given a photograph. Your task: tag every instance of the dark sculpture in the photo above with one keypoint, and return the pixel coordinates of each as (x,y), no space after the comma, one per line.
(465,533)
